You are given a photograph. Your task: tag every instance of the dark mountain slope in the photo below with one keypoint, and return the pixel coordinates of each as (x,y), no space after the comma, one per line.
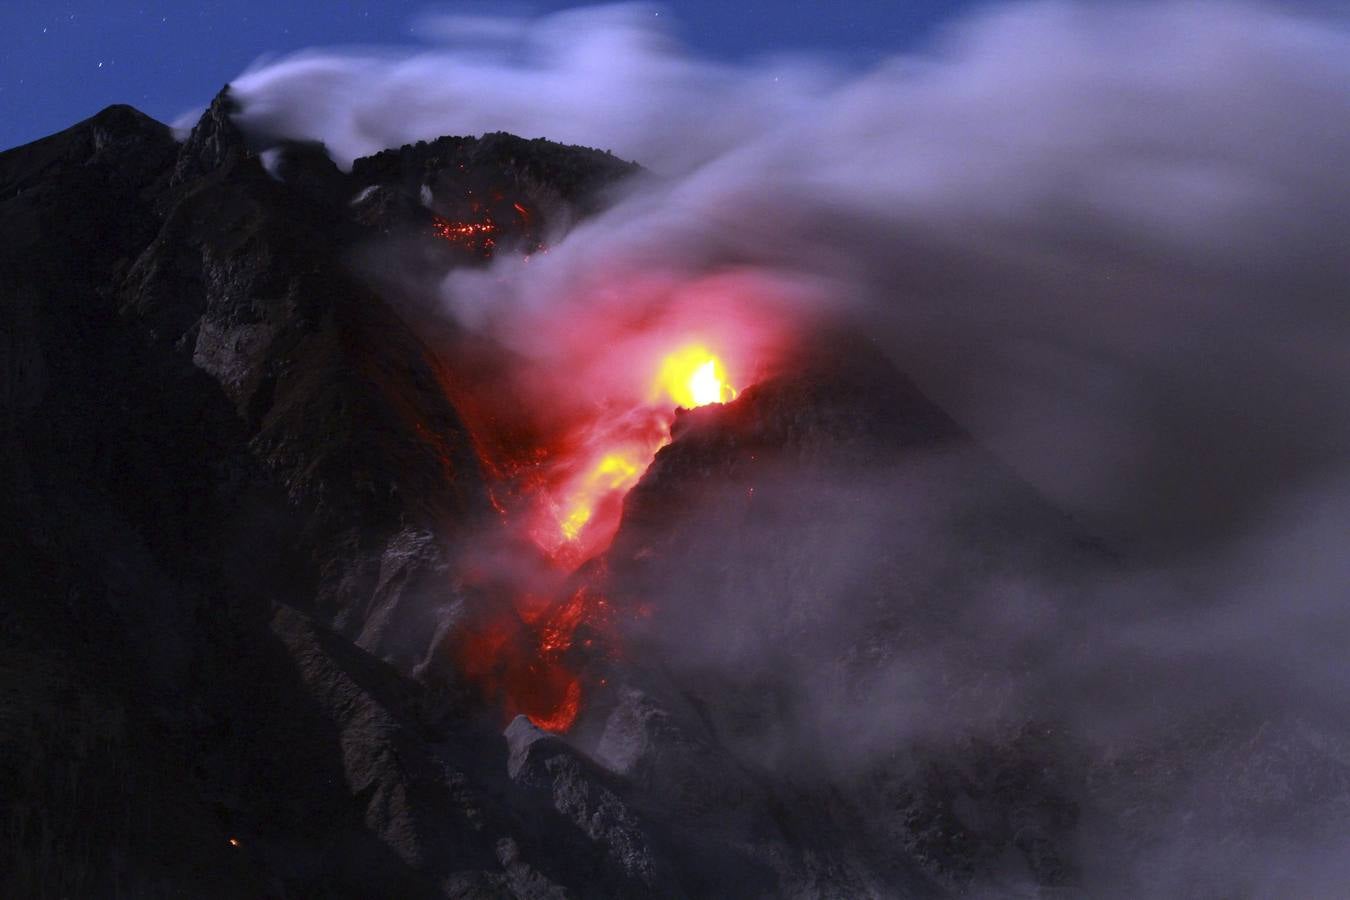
(206,423)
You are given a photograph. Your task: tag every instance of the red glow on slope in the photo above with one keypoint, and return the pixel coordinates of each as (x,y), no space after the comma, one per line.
(521,660)
(576,518)
(566,442)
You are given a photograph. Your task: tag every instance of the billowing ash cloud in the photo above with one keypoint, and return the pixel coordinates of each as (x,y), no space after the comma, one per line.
(1111,241)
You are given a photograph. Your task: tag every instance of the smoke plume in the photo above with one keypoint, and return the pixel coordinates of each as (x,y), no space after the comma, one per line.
(1110,241)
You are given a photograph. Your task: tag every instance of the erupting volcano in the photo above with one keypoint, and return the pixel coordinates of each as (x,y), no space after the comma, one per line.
(921,471)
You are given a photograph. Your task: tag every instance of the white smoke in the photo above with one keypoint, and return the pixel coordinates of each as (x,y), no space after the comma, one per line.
(610,77)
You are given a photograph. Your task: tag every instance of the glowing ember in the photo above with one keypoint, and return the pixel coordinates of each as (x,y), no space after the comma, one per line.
(470,234)
(694,377)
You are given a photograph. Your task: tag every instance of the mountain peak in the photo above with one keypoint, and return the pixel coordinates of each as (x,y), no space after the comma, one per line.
(214,141)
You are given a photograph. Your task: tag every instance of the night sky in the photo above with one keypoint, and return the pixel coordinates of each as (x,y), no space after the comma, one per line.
(61,62)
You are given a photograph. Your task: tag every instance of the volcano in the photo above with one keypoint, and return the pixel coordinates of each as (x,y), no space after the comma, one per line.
(299,601)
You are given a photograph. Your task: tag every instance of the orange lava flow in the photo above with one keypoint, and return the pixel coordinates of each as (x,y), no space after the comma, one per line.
(524,658)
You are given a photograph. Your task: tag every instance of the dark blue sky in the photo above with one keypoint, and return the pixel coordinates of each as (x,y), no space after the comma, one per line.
(63,61)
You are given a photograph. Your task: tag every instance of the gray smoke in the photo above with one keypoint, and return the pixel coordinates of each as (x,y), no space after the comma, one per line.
(1114,242)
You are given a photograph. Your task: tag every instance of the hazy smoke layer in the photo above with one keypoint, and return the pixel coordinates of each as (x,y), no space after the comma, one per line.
(1111,241)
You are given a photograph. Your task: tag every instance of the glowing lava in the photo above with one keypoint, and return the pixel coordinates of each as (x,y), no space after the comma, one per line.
(693,377)
(614,472)
(521,656)
(588,504)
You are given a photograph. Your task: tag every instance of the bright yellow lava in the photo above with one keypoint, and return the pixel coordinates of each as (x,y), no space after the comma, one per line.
(689,377)
(693,377)
(613,472)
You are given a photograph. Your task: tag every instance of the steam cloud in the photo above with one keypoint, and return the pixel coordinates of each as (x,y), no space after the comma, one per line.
(1112,242)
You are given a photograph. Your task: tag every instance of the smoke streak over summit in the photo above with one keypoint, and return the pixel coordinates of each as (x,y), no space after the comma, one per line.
(1110,242)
